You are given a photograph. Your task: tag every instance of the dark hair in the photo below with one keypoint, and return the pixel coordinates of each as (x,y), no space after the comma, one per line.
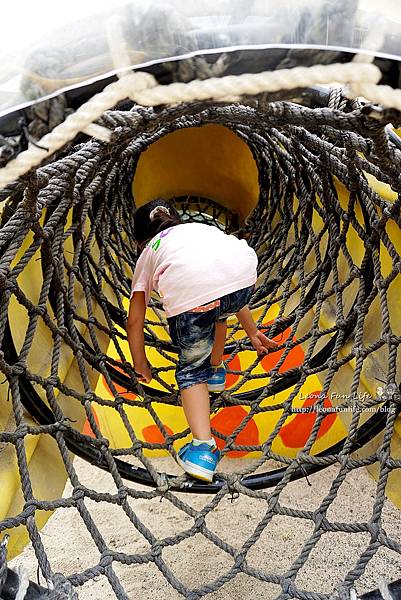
(145,227)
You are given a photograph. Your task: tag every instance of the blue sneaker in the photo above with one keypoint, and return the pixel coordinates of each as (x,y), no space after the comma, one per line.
(199,461)
(217,382)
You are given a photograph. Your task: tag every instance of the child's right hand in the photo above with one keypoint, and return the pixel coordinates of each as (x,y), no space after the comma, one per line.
(262,344)
(143,372)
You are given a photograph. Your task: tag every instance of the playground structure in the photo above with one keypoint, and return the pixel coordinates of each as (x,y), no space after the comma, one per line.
(310,178)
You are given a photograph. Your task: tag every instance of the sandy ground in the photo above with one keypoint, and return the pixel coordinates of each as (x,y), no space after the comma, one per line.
(197,561)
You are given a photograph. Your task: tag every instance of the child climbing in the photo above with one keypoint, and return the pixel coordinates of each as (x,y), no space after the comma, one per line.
(203,276)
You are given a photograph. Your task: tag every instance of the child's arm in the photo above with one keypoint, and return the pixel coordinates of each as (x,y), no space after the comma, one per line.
(259,341)
(135,334)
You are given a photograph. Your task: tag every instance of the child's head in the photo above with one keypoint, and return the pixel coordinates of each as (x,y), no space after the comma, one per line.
(153,217)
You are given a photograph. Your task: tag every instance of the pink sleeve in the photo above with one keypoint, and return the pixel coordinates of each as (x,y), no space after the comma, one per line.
(141,281)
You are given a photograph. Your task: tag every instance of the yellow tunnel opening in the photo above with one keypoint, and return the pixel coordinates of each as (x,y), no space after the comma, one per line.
(209,161)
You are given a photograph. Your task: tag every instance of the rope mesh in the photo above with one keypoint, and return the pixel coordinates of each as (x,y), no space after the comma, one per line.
(327,260)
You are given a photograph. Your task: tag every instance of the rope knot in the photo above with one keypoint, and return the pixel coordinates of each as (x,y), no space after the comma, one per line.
(106,559)
(343,459)
(30,508)
(61,330)
(342,324)
(163,484)
(232,481)
(89,396)
(62,425)
(22,430)
(239,559)
(137,446)
(286,584)
(355,271)
(359,351)
(118,400)
(156,549)
(104,446)
(40,309)
(101,363)
(18,368)
(380,284)
(98,358)
(375,530)
(52,381)
(122,494)
(388,338)
(200,523)
(78,492)
(319,519)
(63,589)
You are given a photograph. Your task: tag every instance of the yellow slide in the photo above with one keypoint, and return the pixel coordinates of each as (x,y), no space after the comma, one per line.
(211,162)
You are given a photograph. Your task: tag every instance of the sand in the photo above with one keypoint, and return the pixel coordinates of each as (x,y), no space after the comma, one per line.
(196,561)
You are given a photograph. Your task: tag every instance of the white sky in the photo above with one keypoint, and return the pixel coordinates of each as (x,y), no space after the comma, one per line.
(26,21)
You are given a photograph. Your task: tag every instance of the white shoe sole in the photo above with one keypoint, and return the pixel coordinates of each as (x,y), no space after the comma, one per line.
(216,388)
(195,470)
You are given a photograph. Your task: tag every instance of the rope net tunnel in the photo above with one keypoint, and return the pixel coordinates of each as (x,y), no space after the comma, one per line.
(317,198)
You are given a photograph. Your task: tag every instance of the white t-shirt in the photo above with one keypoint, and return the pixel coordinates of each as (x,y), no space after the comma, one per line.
(192,264)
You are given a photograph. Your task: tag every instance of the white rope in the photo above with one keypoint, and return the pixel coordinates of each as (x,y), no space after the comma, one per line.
(98,131)
(143,89)
(23,583)
(384,590)
(78,121)
(352,594)
(256,83)
(378,94)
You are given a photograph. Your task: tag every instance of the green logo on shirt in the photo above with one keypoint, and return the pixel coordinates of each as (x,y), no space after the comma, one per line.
(155,245)
(155,242)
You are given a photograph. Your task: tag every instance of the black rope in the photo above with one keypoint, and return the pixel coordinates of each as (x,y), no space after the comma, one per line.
(74,215)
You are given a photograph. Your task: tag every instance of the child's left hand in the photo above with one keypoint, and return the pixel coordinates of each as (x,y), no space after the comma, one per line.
(262,344)
(143,372)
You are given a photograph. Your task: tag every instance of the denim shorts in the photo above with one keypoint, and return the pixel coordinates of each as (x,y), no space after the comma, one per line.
(193,334)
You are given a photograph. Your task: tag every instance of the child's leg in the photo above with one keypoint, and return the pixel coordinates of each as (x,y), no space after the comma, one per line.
(196,404)
(198,458)
(194,333)
(219,343)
